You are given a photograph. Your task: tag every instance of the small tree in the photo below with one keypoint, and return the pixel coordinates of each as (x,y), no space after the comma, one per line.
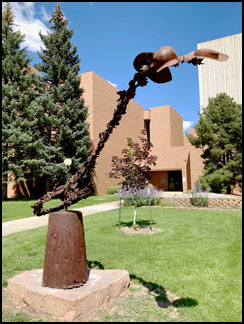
(219,134)
(134,166)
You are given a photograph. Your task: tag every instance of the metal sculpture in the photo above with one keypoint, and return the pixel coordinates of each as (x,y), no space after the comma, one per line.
(65,258)
(80,184)
(155,66)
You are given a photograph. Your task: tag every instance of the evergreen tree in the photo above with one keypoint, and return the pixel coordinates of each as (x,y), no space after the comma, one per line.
(64,127)
(19,88)
(219,134)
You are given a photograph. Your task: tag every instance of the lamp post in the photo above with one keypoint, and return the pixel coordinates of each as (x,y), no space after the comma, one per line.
(67,163)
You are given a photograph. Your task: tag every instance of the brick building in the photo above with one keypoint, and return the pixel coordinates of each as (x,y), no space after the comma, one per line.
(178,165)
(101,99)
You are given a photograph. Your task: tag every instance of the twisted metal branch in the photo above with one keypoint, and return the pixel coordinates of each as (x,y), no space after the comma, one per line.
(80,184)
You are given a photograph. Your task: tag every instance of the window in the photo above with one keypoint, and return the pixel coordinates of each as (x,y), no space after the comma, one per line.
(147,128)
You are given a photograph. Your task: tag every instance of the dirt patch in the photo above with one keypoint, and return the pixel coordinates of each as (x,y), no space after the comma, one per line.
(26,312)
(136,300)
(140,230)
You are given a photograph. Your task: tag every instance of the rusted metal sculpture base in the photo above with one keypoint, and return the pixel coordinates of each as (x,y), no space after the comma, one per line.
(65,258)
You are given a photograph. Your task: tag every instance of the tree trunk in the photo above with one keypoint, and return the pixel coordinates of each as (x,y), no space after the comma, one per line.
(4,179)
(4,190)
(47,184)
(65,258)
(134,220)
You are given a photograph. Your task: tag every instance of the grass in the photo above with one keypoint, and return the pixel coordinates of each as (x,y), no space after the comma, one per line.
(21,208)
(197,257)
(18,317)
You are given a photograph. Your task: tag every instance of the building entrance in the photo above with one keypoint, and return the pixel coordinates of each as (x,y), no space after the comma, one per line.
(175,181)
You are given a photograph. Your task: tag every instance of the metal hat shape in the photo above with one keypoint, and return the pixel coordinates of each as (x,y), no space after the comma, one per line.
(161,77)
(141,59)
(164,57)
(146,58)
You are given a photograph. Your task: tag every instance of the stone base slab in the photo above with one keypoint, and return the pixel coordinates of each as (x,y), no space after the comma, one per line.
(68,304)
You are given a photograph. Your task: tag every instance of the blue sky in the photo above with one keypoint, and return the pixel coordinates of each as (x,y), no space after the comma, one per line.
(109,35)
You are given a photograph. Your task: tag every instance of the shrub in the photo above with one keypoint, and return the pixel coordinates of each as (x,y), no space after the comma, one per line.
(199,196)
(112,190)
(140,197)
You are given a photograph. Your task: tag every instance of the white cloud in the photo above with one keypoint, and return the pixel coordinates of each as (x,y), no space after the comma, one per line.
(187,124)
(45,16)
(91,4)
(113,84)
(29,25)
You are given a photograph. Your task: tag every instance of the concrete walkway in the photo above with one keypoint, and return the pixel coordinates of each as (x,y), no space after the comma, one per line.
(23,224)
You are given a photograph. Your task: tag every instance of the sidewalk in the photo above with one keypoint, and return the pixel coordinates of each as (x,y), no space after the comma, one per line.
(23,224)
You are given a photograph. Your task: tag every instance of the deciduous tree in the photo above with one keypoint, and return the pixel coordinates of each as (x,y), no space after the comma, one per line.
(134,166)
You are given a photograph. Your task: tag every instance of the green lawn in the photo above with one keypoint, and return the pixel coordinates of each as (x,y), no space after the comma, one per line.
(21,208)
(196,257)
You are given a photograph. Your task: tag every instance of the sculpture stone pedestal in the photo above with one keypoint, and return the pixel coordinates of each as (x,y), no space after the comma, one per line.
(65,257)
(67,304)
(66,288)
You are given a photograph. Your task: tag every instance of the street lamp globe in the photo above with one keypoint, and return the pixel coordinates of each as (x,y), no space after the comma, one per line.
(67,162)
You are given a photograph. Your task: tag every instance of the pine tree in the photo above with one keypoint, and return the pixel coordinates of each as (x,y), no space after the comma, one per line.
(20,87)
(64,127)
(219,134)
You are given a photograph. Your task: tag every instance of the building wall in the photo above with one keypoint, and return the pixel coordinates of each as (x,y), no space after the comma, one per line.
(176,129)
(218,77)
(166,135)
(193,161)
(101,99)
(173,150)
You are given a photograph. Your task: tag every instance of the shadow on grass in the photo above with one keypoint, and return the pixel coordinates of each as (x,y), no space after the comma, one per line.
(94,264)
(142,222)
(160,295)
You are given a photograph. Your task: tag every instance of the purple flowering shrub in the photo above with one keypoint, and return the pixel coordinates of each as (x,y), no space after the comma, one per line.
(199,196)
(140,197)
